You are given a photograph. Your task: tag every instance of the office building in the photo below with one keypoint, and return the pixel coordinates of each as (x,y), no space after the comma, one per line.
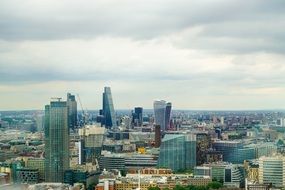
(56,141)
(28,176)
(157,136)
(138,116)
(233,176)
(111,162)
(162,111)
(272,170)
(202,171)
(72,111)
(231,150)
(178,151)
(37,163)
(167,115)
(108,112)
(91,142)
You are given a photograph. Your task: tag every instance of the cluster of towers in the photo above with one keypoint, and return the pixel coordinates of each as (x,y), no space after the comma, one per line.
(61,117)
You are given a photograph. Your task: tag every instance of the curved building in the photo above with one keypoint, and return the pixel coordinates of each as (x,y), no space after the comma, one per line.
(162,111)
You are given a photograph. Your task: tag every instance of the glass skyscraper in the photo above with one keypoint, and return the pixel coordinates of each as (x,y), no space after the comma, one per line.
(72,111)
(138,116)
(56,141)
(162,111)
(178,151)
(167,115)
(109,119)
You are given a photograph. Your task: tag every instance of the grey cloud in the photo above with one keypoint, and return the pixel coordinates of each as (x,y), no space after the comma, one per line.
(137,19)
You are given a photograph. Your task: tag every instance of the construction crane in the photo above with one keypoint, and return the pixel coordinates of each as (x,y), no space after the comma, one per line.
(84,112)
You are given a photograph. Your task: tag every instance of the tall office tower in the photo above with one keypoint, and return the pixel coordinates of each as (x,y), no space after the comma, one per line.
(72,111)
(138,116)
(109,119)
(157,136)
(167,115)
(272,170)
(56,141)
(178,151)
(162,111)
(159,107)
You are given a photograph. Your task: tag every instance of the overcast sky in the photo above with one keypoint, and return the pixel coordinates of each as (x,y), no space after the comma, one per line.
(203,54)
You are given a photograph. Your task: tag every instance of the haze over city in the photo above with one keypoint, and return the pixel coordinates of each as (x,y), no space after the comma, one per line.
(221,55)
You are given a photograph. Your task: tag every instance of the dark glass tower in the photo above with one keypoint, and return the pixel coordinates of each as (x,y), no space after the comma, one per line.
(138,116)
(109,119)
(56,141)
(72,111)
(167,115)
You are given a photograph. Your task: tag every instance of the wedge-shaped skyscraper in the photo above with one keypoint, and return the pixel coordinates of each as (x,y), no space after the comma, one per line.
(109,118)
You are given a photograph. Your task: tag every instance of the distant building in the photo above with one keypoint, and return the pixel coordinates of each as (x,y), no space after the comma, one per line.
(162,111)
(111,162)
(37,163)
(72,111)
(59,186)
(138,116)
(202,171)
(157,136)
(127,161)
(236,152)
(108,112)
(28,176)
(56,141)
(178,151)
(233,176)
(272,170)
(80,176)
(167,115)
(90,145)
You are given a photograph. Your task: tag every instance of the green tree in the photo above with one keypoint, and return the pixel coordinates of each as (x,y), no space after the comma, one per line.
(214,185)
(179,187)
(153,188)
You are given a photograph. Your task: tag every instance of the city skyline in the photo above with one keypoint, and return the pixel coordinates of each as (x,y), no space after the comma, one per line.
(214,55)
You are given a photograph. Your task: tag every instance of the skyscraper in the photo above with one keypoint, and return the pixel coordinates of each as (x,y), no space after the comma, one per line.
(162,112)
(167,115)
(56,141)
(109,119)
(138,116)
(72,111)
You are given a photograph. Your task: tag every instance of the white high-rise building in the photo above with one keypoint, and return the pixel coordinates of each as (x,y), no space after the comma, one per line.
(272,170)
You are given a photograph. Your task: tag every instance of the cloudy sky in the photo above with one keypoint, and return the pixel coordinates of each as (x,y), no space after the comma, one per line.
(203,54)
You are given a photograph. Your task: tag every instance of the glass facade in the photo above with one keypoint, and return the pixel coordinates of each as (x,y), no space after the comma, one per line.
(271,170)
(178,151)
(108,109)
(56,141)
(72,111)
(167,115)
(162,111)
(235,152)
